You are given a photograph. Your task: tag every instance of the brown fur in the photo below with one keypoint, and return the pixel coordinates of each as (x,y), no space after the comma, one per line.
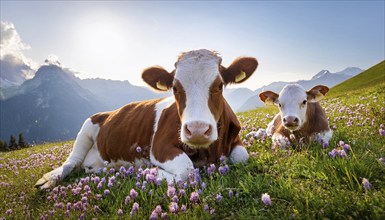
(316,121)
(122,130)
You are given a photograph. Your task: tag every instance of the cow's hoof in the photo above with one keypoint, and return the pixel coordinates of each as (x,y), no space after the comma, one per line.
(48,181)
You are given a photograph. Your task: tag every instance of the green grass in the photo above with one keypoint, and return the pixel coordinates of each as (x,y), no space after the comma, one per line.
(302,183)
(372,77)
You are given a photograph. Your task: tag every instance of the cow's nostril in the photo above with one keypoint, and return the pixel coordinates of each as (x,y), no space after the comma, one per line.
(296,120)
(208,132)
(284,119)
(188,132)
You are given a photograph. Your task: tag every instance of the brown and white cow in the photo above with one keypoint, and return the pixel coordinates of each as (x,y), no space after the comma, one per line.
(300,116)
(193,128)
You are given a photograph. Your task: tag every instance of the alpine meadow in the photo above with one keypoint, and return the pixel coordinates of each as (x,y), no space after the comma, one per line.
(344,180)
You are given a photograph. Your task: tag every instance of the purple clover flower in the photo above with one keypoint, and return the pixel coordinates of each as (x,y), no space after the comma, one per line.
(135,207)
(138,149)
(266,199)
(223,169)
(194,197)
(122,169)
(222,159)
(333,153)
(174,207)
(164,215)
(8,212)
(174,199)
(366,183)
(96,180)
(183,208)
(170,191)
(133,194)
(182,192)
(120,212)
(203,185)
(158,209)
(206,208)
(342,153)
(112,170)
(106,192)
(346,147)
(153,216)
(219,197)
(211,169)
(127,200)
(231,194)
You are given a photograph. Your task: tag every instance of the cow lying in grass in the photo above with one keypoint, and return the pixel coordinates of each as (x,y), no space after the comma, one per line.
(193,128)
(301,117)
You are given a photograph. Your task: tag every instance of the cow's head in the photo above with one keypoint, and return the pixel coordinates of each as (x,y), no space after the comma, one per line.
(292,102)
(197,83)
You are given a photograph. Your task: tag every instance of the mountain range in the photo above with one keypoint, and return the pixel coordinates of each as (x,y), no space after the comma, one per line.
(54,103)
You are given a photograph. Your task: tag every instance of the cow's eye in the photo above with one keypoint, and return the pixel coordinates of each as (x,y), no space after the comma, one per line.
(174,89)
(279,104)
(304,102)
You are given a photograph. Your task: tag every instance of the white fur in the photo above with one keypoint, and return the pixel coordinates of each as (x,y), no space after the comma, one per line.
(159,107)
(175,169)
(83,143)
(291,98)
(196,71)
(239,155)
(270,126)
(322,137)
(93,162)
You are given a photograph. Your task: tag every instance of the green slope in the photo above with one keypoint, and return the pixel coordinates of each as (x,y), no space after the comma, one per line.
(374,76)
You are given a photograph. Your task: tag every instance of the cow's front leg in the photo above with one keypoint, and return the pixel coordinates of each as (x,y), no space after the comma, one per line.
(173,164)
(239,154)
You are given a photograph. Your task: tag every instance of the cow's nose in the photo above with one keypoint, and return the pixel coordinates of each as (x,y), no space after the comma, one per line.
(290,121)
(198,132)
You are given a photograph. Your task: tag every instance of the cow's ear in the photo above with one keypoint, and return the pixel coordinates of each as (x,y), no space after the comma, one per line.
(269,97)
(158,78)
(240,70)
(317,93)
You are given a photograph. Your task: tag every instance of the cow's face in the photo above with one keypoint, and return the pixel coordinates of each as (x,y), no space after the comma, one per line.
(292,102)
(197,83)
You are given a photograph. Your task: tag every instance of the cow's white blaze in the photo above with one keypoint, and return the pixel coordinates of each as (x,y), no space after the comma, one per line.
(196,71)
(291,101)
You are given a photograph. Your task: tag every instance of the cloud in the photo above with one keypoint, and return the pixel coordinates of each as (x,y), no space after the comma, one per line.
(15,66)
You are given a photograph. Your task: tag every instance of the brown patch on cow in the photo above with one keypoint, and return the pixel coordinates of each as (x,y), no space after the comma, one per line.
(122,130)
(228,138)
(180,97)
(167,145)
(316,121)
(215,101)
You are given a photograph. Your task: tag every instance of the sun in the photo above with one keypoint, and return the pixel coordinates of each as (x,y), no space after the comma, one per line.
(102,41)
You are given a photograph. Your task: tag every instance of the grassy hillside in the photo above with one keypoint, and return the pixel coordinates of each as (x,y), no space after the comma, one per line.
(303,183)
(374,76)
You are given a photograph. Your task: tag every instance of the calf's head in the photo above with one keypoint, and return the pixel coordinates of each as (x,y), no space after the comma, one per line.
(197,83)
(293,101)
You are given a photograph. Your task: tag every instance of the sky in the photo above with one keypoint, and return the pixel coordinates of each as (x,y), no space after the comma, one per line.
(292,40)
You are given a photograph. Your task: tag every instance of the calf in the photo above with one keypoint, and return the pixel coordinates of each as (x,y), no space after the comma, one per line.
(300,116)
(193,128)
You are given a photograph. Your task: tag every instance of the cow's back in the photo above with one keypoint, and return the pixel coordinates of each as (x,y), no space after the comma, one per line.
(123,130)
